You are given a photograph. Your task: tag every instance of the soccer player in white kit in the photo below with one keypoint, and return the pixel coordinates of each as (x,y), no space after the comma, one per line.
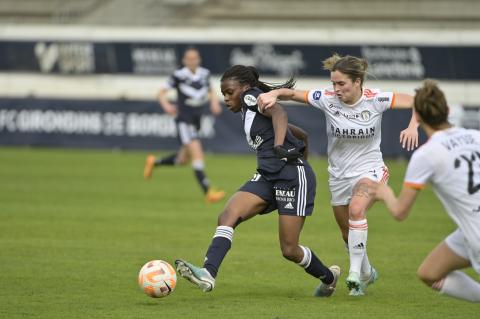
(353,114)
(450,162)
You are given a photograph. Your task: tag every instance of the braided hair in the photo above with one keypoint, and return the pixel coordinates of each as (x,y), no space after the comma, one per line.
(249,75)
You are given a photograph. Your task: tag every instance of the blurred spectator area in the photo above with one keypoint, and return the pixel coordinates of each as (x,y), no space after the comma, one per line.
(360,13)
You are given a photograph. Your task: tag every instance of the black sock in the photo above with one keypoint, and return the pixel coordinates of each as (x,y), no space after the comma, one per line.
(202,179)
(221,243)
(319,270)
(167,160)
(315,267)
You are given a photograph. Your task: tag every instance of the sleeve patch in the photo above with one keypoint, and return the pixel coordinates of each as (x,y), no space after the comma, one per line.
(317,95)
(250,100)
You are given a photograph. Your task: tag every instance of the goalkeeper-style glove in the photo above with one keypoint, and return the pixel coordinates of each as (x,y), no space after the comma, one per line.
(286,154)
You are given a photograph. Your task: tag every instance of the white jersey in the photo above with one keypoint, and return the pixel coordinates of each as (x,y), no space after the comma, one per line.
(353,131)
(450,161)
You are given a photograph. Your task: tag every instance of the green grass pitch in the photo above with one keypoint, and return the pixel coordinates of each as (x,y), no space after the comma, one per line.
(77,225)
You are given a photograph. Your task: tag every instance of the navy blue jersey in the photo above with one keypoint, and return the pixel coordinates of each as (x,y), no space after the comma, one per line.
(261,136)
(192,93)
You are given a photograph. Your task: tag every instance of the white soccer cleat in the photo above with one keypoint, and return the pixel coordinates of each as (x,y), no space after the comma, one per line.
(324,290)
(354,284)
(198,276)
(370,280)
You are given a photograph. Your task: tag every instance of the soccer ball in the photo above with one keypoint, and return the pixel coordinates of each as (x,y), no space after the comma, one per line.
(157,278)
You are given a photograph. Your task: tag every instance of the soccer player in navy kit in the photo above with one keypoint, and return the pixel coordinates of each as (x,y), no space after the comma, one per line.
(284,181)
(192,83)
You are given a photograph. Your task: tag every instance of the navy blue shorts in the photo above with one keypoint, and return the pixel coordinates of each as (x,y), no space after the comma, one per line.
(291,192)
(187,132)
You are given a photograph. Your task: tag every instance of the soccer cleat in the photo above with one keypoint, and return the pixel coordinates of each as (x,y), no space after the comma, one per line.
(370,280)
(214,195)
(324,290)
(354,284)
(149,165)
(198,276)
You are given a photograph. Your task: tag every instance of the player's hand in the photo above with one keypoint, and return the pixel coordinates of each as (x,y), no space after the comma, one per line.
(170,109)
(409,138)
(266,100)
(286,154)
(215,107)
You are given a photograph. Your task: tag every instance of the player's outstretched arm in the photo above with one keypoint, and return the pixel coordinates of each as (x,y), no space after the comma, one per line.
(399,207)
(409,136)
(267,100)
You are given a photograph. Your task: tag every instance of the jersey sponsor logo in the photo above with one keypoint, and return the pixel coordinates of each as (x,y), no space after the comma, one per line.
(282,195)
(250,100)
(351,116)
(383,99)
(365,115)
(361,133)
(317,95)
(334,106)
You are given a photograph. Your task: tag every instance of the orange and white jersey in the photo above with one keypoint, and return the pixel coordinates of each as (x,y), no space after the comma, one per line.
(450,162)
(353,131)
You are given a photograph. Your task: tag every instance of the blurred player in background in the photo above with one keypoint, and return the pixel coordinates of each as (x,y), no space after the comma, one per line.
(284,181)
(450,162)
(194,93)
(354,116)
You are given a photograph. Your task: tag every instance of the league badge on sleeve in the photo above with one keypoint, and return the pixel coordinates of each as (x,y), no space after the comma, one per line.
(317,95)
(250,100)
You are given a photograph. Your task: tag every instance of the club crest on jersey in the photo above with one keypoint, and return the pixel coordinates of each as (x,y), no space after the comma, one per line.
(365,115)
(317,95)
(250,100)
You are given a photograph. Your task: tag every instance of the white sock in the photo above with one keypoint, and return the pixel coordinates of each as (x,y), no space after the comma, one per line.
(357,243)
(459,285)
(366,269)
(307,257)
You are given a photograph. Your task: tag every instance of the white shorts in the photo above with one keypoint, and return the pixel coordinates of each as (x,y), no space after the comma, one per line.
(341,188)
(456,242)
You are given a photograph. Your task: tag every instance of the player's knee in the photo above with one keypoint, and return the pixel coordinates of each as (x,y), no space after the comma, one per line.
(229,217)
(356,211)
(289,252)
(427,276)
(181,159)
(198,165)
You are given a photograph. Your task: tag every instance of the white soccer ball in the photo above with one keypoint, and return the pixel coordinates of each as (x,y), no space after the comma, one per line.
(157,278)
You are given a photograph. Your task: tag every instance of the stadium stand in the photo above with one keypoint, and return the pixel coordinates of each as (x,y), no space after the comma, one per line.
(384,13)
